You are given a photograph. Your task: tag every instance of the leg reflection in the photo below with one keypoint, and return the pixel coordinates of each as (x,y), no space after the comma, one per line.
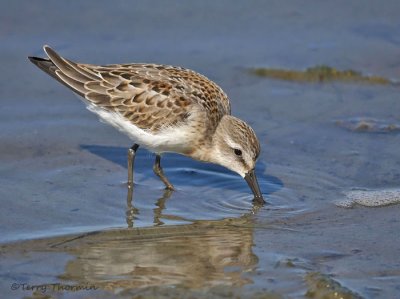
(161,206)
(131,211)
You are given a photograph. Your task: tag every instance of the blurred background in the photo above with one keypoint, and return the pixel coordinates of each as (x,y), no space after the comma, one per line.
(326,145)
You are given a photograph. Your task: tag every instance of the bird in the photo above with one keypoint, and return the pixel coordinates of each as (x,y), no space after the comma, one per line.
(164,109)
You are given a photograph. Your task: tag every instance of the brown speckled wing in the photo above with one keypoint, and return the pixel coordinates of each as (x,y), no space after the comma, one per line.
(150,96)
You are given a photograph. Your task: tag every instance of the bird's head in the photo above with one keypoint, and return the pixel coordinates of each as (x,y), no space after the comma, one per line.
(236,147)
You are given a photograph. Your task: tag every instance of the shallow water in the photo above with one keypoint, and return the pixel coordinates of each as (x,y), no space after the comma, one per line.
(65,217)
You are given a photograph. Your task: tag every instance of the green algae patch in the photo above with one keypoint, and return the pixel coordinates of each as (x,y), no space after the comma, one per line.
(368,125)
(323,287)
(319,73)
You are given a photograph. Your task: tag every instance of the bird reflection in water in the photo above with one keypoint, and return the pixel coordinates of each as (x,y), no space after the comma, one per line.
(196,255)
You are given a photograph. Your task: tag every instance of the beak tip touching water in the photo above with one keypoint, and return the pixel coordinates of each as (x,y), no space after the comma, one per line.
(251,180)
(259,200)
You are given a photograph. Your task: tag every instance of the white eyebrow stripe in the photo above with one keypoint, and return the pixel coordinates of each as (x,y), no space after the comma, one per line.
(233,144)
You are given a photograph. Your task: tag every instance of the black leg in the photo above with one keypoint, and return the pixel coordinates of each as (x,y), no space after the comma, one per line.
(159,172)
(131,161)
(131,210)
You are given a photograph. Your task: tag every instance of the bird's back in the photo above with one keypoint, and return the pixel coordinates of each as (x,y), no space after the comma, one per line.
(150,96)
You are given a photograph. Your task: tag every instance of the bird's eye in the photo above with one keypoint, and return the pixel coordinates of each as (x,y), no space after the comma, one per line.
(238,152)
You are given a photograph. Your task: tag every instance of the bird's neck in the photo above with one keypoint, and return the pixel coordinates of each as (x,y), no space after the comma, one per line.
(208,150)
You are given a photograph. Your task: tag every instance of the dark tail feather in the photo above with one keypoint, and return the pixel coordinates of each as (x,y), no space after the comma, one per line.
(45,65)
(50,68)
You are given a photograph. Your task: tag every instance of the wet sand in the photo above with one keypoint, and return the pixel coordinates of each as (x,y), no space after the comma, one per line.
(66,227)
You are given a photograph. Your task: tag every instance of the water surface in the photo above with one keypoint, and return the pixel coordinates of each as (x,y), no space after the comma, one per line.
(65,218)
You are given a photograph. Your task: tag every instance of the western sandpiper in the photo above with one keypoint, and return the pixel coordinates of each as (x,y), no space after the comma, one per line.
(164,109)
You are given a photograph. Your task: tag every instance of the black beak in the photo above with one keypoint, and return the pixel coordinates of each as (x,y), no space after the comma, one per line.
(251,180)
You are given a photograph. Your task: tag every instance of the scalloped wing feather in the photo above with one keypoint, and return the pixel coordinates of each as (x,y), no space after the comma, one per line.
(152,97)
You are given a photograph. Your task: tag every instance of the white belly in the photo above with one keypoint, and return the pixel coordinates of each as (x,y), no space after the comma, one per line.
(172,139)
